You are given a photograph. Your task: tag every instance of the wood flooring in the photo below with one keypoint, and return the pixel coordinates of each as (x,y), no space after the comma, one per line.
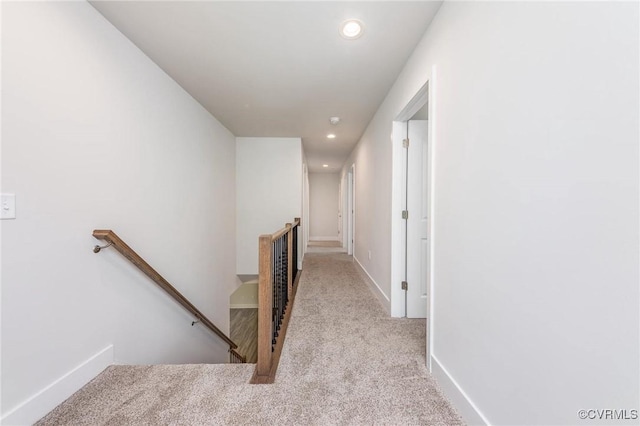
(324,244)
(244,332)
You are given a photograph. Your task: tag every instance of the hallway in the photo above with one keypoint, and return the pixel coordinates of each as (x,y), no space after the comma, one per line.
(344,362)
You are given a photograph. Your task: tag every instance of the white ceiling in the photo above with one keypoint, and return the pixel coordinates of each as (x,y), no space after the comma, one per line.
(280,68)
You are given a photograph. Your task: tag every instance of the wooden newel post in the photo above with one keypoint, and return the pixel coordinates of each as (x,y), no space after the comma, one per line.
(265,306)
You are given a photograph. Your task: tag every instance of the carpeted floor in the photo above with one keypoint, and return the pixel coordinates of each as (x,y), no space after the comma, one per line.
(344,362)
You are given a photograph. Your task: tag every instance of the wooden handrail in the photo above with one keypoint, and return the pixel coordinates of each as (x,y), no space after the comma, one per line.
(279,233)
(284,230)
(122,247)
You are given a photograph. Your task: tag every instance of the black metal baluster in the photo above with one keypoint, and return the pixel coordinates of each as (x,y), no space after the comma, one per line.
(283,247)
(294,247)
(279,279)
(286,273)
(278,283)
(280,301)
(274,322)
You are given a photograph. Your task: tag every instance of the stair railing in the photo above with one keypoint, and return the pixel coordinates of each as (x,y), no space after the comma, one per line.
(277,285)
(114,241)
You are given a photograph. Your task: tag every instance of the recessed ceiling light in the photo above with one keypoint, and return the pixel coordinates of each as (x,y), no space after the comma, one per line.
(331,136)
(325,165)
(351,29)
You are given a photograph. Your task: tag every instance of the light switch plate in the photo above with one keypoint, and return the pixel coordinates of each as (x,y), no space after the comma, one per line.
(8,206)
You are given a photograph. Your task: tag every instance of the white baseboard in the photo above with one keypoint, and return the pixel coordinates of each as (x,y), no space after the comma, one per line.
(460,400)
(41,403)
(324,238)
(244,306)
(386,303)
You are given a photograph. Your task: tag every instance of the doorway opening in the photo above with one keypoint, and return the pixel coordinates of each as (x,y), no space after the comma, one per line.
(302,249)
(324,213)
(412,210)
(351,207)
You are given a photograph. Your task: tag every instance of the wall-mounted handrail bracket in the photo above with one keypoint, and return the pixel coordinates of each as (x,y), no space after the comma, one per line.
(194,322)
(97,249)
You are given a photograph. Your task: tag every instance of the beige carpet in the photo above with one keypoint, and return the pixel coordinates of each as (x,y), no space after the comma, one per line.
(344,362)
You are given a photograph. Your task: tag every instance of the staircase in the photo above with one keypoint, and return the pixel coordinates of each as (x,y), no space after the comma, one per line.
(344,361)
(123,248)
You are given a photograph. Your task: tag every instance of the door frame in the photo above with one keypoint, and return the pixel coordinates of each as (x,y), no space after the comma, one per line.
(351,209)
(305,215)
(340,206)
(345,214)
(417,190)
(425,95)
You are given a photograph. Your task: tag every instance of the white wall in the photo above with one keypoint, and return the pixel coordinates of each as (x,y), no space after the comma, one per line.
(269,188)
(324,191)
(372,183)
(535,117)
(95,135)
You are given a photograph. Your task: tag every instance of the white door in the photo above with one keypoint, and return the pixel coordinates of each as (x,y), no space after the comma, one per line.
(417,222)
(340,212)
(305,214)
(350,211)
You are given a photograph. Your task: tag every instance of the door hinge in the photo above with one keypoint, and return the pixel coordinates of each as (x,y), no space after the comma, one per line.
(405,143)
(405,214)
(405,285)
